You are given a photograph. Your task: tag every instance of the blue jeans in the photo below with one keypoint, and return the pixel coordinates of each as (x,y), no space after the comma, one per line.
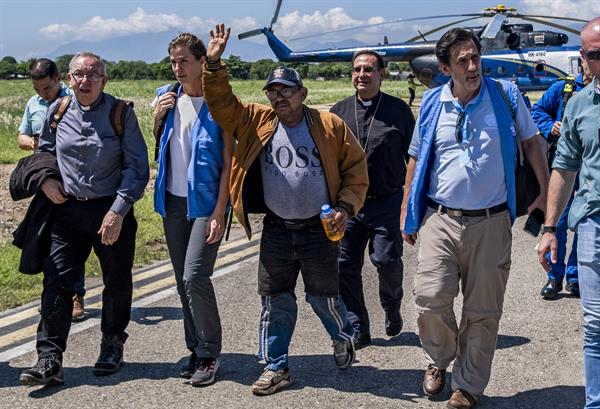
(558,270)
(284,254)
(589,285)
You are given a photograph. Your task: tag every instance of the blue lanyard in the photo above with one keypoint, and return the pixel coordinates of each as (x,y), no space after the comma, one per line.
(463,115)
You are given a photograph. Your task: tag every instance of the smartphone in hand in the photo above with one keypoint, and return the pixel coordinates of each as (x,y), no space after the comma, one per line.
(534,222)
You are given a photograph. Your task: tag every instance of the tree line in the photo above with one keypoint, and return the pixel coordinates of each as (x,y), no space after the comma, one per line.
(10,68)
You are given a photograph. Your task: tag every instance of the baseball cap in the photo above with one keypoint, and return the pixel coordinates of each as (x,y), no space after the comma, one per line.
(284,75)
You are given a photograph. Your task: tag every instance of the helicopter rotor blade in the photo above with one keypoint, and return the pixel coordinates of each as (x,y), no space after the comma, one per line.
(435,30)
(276,14)
(402,20)
(553,17)
(493,26)
(551,24)
(250,33)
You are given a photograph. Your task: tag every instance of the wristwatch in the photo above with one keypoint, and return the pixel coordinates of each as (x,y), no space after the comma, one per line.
(214,65)
(549,229)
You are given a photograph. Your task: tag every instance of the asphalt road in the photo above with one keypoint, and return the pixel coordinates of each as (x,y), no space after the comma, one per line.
(538,363)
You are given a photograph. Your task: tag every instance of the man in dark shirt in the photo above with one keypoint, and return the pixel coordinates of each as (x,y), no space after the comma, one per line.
(383,125)
(103,174)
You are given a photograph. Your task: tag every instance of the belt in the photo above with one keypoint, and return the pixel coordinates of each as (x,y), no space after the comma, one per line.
(79,198)
(467,213)
(87,199)
(295,224)
(374,197)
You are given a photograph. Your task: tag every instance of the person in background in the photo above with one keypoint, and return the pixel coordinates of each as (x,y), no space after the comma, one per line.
(412,88)
(548,113)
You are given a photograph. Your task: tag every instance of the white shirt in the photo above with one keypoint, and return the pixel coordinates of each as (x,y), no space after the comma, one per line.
(180,143)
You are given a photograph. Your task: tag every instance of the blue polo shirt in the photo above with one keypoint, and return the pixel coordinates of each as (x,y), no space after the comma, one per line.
(36,111)
(470,175)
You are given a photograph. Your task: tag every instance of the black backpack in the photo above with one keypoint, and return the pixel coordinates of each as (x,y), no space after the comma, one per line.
(161,123)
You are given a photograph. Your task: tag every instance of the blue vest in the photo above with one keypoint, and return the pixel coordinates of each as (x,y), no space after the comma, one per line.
(428,119)
(205,166)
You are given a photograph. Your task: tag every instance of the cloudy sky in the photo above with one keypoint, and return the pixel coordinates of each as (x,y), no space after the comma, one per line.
(32,28)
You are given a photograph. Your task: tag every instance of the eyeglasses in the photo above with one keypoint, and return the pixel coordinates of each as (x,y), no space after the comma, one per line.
(366,69)
(591,55)
(286,93)
(458,131)
(91,76)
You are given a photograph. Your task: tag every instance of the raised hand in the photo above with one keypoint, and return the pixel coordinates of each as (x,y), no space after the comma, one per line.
(218,41)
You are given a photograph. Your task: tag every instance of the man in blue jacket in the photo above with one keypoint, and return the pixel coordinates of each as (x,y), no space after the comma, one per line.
(548,115)
(460,197)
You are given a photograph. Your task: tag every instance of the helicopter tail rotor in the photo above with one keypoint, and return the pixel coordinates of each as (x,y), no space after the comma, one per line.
(259,31)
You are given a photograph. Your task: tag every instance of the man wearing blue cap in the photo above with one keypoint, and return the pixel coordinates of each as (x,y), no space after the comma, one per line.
(289,160)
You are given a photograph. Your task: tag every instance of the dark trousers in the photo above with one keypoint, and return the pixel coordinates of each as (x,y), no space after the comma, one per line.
(80,284)
(378,225)
(193,262)
(74,233)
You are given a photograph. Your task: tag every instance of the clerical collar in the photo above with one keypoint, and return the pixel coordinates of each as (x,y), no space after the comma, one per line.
(368,102)
(93,105)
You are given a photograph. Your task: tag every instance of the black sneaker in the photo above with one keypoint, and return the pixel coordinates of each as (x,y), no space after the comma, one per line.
(271,381)
(343,353)
(111,355)
(47,371)
(393,323)
(205,372)
(187,371)
(361,340)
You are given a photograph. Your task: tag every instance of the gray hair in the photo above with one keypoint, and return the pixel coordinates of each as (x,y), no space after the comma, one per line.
(89,55)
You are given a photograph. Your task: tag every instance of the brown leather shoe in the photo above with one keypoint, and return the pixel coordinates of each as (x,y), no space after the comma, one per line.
(461,399)
(433,381)
(78,309)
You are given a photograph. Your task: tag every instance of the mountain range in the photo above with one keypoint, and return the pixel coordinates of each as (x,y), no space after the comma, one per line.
(152,47)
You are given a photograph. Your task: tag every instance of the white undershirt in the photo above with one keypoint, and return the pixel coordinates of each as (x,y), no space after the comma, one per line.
(180,143)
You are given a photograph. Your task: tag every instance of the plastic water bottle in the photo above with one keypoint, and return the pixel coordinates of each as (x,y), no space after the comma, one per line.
(327,215)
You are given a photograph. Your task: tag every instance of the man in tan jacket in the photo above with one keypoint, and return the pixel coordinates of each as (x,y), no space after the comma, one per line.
(289,160)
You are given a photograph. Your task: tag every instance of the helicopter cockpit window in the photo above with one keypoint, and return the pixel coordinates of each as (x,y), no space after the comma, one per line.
(512,41)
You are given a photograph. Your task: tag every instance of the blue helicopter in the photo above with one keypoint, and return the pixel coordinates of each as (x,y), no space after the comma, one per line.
(533,59)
